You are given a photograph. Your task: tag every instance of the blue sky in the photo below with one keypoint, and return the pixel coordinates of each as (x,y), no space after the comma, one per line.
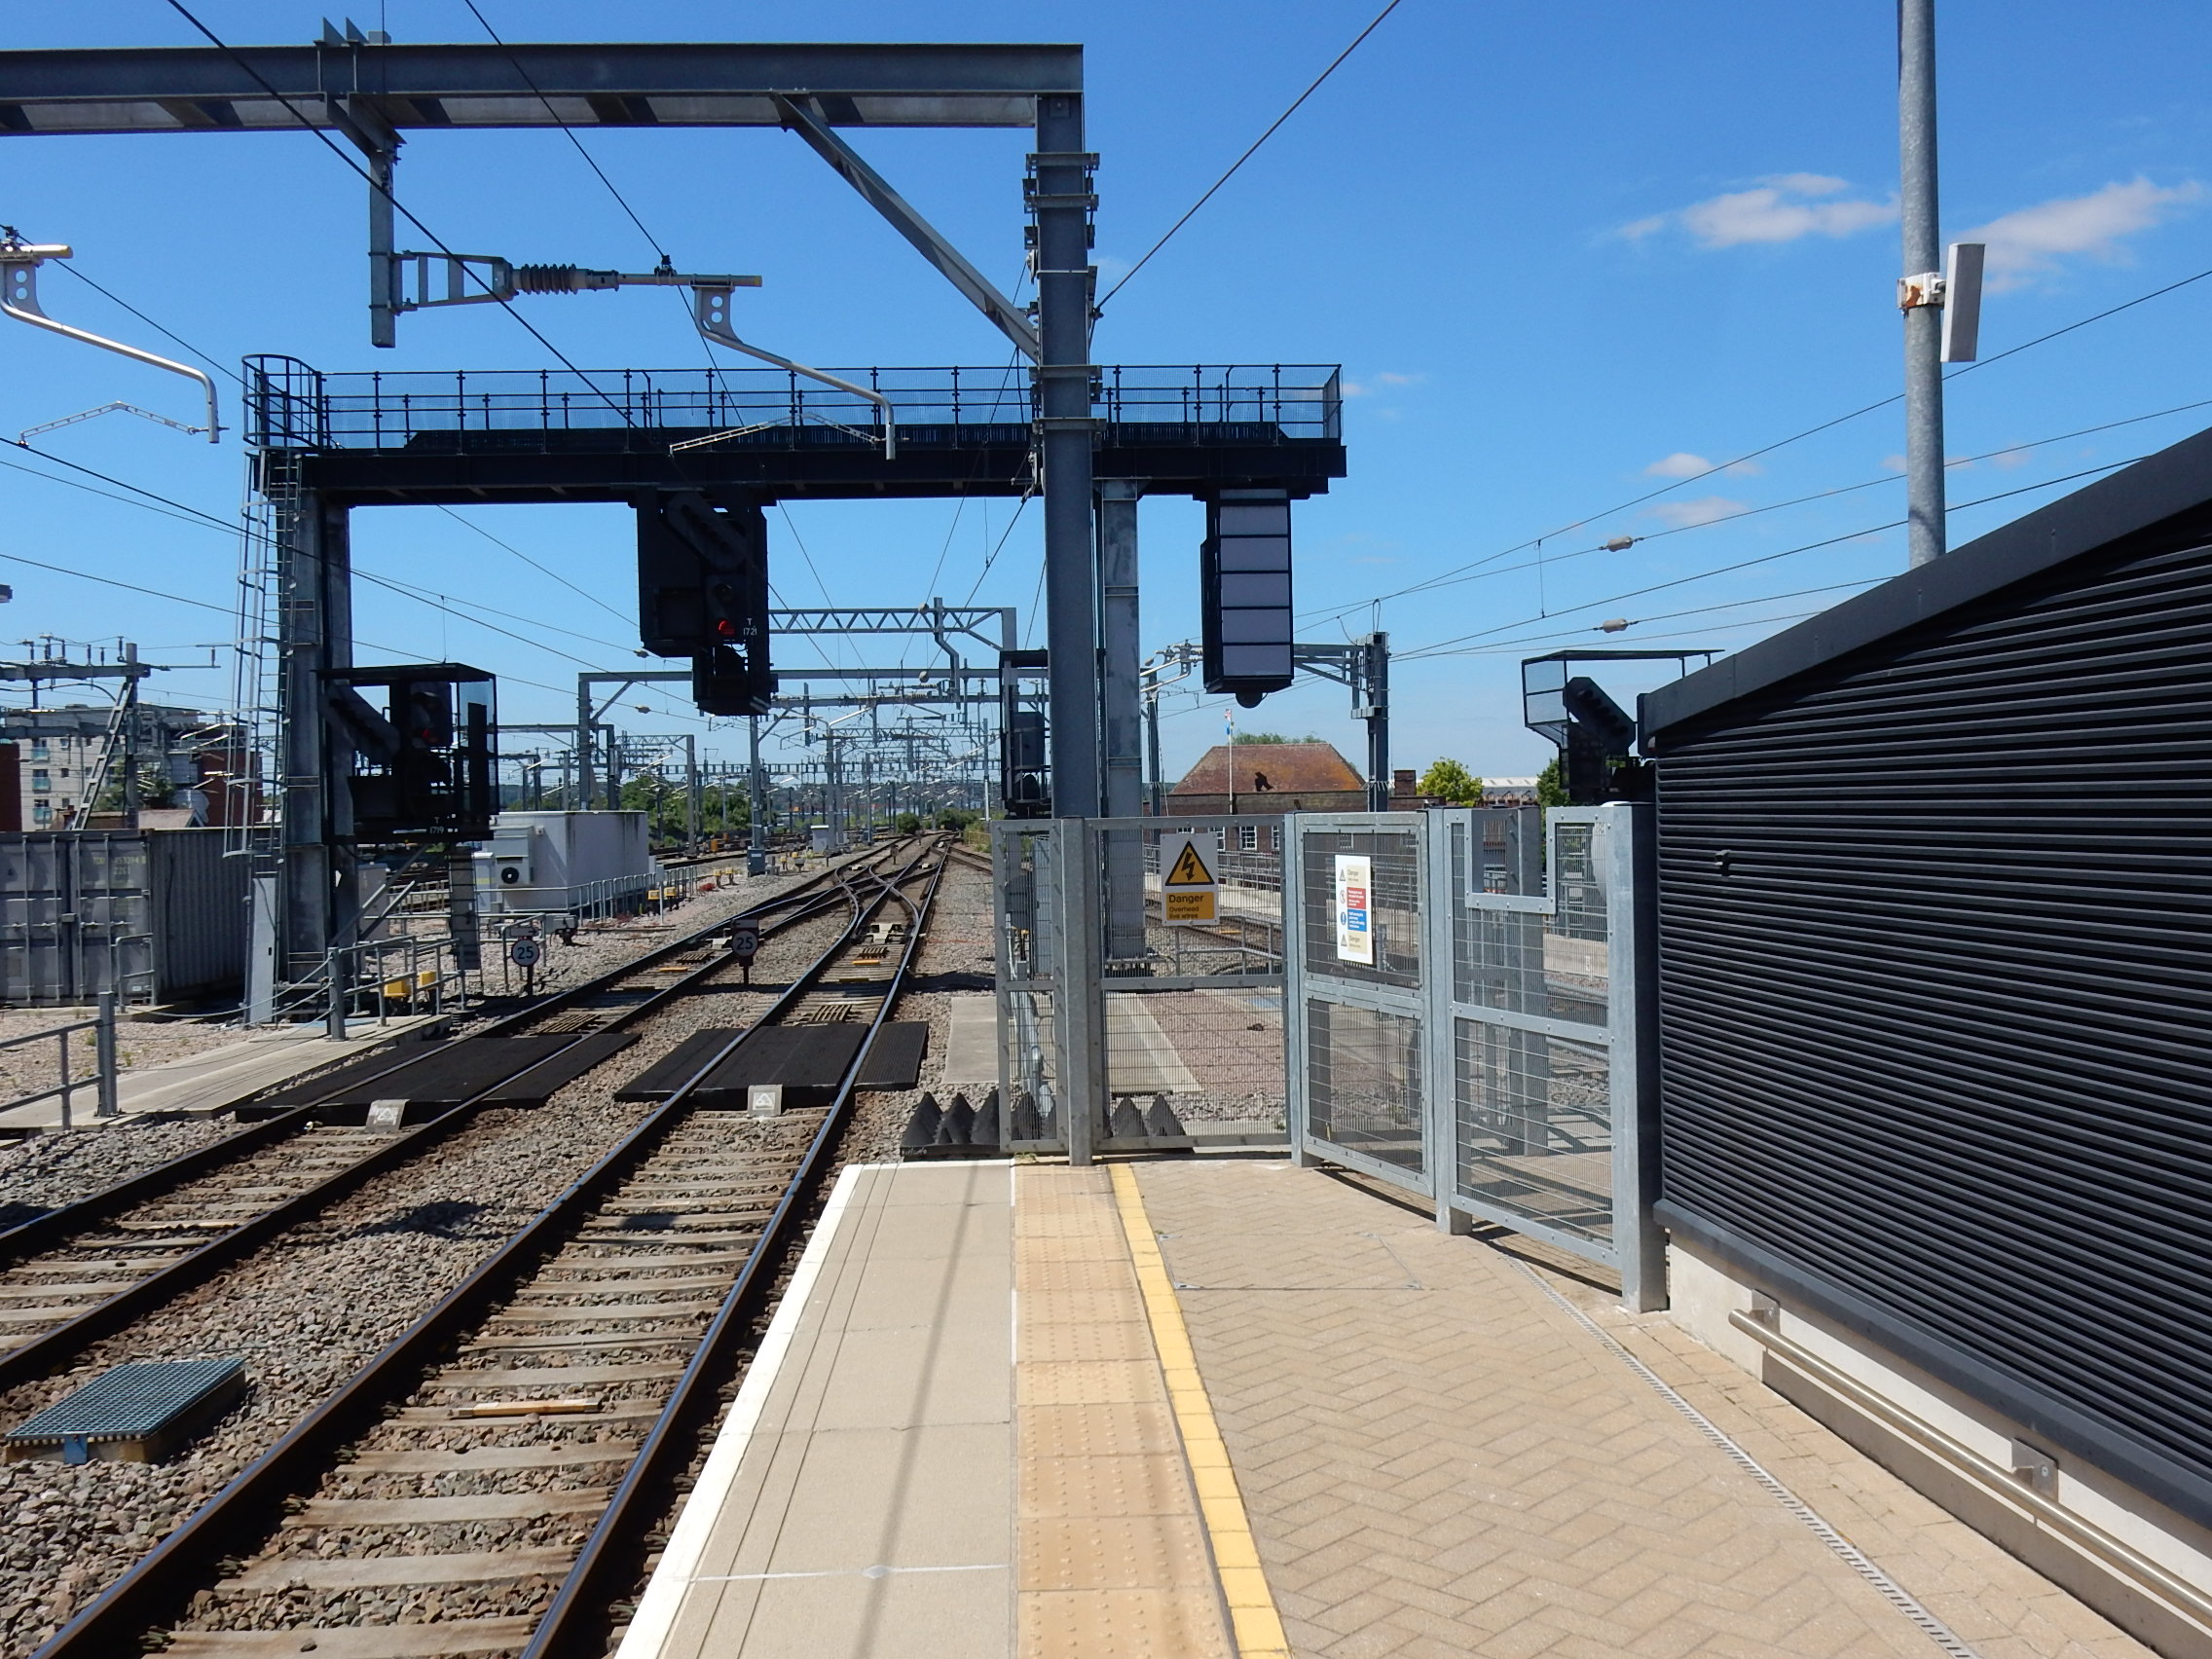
(1567,254)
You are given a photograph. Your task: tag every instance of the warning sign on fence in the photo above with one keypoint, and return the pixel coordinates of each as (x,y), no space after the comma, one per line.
(1355,911)
(1189,891)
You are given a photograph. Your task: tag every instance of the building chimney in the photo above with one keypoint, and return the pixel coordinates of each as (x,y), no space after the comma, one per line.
(1402,784)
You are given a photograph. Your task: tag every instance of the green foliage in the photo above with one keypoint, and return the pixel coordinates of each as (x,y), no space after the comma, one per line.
(957,818)
(1551,784)
(154,788)
(1245,737)
(1449,781)
(906,822)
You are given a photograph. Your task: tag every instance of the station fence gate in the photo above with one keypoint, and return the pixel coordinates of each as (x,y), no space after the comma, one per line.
(1456,1003)
(1102,1004)
(1468,1017)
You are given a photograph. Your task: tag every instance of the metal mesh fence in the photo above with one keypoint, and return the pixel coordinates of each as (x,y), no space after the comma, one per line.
(1363,1081)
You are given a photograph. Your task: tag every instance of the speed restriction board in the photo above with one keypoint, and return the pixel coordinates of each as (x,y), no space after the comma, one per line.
(1189,888)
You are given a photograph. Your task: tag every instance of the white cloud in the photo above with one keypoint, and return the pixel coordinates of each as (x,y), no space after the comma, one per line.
(1705,510)
(1388,377)
(1780,208)
(1683,465)
(1893,463)
(2008,460)
(2030,242)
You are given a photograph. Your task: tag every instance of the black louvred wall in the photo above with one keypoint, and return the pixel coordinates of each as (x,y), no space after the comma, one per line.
(1935,936)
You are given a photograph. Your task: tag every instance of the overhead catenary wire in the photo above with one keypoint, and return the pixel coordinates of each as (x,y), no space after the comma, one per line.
(1547,561)
(1333,612)
(1315,86)
(437,241)
(1442,647)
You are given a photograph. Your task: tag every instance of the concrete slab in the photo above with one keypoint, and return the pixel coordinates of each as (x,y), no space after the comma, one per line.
(858,1499)
(971,1045)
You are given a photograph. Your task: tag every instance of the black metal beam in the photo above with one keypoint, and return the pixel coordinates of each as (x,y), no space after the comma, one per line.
(662,84)
(617,473)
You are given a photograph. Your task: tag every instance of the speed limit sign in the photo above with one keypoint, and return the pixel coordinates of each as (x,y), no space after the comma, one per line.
(745,941)
(523,952)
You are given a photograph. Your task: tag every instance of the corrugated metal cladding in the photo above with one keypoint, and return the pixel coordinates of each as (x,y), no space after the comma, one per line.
(158,915)
(1935,940)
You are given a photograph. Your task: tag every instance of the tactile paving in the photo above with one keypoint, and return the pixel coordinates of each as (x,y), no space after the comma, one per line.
(1111,1546)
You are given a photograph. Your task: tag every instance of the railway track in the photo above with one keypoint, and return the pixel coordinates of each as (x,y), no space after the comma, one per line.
(82,1272)
(486,1484)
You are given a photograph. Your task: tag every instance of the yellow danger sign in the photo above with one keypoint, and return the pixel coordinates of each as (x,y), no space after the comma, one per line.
(1189,869)
(1189,892)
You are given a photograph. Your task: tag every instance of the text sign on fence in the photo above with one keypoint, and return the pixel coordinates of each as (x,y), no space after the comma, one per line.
(1188,892)
(1356,916)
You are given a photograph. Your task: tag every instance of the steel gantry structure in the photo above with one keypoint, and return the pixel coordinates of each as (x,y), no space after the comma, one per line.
(1089,440)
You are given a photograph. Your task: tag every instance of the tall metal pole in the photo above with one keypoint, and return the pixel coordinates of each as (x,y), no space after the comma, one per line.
(584,744)
(1061,200)
(1377,706)
(755,803)
(691,794)
(1152,746)
(1923,258)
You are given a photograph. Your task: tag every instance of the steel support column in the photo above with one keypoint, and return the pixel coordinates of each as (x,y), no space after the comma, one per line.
(315,633)
(1373,707)
(755,803)
(1120,713)
(1060,200)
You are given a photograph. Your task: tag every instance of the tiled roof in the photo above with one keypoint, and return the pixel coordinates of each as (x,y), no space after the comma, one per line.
(1290,768)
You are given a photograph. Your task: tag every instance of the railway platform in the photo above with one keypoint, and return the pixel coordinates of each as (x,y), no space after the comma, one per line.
(206,1083)
(1221,1406)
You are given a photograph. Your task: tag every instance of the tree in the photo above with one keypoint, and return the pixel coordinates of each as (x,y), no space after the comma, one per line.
(1248,737)
(1448,781)
(906,822)
(1551,784)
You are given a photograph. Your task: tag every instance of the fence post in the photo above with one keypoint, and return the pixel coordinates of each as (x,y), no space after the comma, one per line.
(103,1054)
(1631,911)
(334,1013)
(68,1089)
(1082,1062)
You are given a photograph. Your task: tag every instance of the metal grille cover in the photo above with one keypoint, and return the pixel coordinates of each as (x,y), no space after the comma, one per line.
(131,1401)
(1935,936)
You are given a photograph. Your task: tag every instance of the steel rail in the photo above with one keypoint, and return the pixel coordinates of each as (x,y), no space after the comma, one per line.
(66,1341)
(156,1587)
(576,1625)
(39,1232)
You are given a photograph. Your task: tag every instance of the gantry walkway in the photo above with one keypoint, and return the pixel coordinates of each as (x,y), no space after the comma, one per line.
(1218,1406)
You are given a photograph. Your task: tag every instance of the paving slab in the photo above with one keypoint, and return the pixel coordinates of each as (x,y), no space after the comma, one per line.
(1438,1458)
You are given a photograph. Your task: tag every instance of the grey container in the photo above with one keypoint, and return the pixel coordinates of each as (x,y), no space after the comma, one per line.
(156,915)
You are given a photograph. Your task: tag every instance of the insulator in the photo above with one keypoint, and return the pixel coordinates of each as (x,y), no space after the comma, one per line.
(547,279)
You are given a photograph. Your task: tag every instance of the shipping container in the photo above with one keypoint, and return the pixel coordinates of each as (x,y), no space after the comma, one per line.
(156,915)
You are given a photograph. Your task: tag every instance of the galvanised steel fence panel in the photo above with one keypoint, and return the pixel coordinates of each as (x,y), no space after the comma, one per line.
(1545,921)
(1469,1018)
(1105,1002)
(1358,994)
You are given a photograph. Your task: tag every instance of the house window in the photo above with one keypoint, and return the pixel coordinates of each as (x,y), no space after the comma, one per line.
(42,781)
(39,750)
(41,814)
(1248,837)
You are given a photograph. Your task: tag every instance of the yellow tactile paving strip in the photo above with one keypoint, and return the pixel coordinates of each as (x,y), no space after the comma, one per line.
(1111,1522)
(1237,1559)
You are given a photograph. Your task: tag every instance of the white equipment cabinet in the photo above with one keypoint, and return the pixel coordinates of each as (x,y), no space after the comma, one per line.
(563,861)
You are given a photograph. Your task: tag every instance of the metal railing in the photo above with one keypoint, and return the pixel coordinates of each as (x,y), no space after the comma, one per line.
(380,979)
(104,1078)
(293,406)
